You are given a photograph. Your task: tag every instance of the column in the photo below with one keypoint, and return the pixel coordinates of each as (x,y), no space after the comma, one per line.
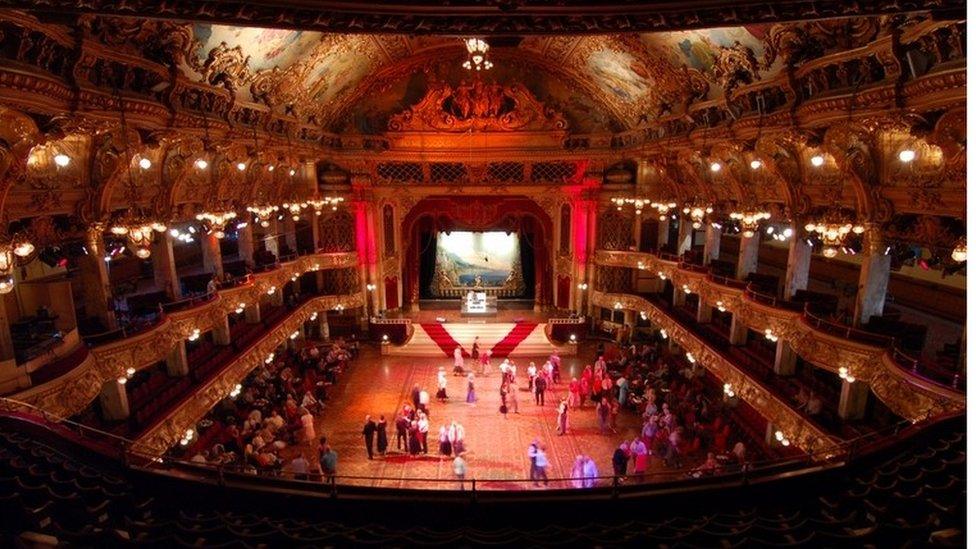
(685,234)
(853,400)
(785,363)
(797,266)
(704,315)
(221,331)
(164,266)
(176,363)
(872,287)
(94,278)
(113,400)
(662,233)
(637,231)
(738,331)
(748,256)
(277,299)
(713,243)
(245,244)
(323,326)
(678,298)
(271,236)
(252,313)
(212,261)
(288,227)
(313,218)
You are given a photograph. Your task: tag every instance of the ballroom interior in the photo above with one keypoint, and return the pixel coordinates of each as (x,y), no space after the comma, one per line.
(216,216)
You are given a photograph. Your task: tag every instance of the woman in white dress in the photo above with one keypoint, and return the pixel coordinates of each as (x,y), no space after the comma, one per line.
(459,361)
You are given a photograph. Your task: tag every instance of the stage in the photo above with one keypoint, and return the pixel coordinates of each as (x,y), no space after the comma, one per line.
(496,445)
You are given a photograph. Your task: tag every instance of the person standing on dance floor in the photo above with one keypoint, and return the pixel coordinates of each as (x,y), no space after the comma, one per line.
(424,399)
(475,353)
(381,441)
(369,431)
(577,473)
(574,394)
(486,363)
(562,418)
(603,415)
(460,469)
(532,372)
(533,468)
(471,398)
(589,472)
(513,397)
(414,438)
(556,366)
(541,463)
(415,396)
(458,361)
(402,426)
(423,428)
(540,391)
(456,435)
(441,385)
(444,441)
(503,393)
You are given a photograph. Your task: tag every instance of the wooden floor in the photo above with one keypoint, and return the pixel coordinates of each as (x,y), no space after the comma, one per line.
(496,446)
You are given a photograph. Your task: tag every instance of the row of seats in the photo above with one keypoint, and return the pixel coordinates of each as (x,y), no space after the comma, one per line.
(916,496)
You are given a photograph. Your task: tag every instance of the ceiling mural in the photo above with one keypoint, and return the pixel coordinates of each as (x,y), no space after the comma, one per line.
(263,48)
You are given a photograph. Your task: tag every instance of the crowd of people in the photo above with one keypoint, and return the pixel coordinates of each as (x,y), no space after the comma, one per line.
(274,410)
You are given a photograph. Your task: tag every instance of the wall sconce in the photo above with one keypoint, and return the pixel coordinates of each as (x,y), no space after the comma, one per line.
(386,338)
(618,305)
(782,438)
(727,389)
(582,286)
(572,338)
(294,335)
(272,290)
(194,335)
(845,374)
(314,316)
(240,308)
(685,288)
(770,336)
(662,275)
(664,334)
(690,357)
(720,306)
(270,358)
(643,315)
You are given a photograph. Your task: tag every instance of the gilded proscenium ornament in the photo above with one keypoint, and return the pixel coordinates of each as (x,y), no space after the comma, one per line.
(69,394)
(907,395)
(802,432)
(168,432)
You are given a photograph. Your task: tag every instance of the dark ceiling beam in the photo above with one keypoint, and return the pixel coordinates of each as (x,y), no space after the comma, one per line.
(491,17)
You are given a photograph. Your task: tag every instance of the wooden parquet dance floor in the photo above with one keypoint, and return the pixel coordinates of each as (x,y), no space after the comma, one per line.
(496,446)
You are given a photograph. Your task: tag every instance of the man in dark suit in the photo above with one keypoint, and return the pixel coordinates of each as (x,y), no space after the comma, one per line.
(540,390)
(369,431)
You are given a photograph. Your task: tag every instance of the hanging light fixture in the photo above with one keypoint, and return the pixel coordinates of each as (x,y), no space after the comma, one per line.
(750,218)
(959,252)
(215,222)
(319,203)
(263,212)
(696,212)
(638,203)
(477,55)
(295,209)
(663,208)
(833,229)
(15,250)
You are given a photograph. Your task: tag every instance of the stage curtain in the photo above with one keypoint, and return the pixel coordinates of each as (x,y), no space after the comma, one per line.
(428,255)
(527,253)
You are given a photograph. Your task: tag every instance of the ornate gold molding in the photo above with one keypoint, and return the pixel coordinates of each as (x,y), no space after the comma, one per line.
(69,394)
(803,433)
(907,395)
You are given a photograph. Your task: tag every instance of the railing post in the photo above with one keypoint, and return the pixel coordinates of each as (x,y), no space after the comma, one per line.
(332,483)
(474,490)
(616,485)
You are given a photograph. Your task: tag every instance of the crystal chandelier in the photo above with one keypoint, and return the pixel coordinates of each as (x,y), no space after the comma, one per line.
(663,208)
(696,213)
(215,222)
(750,218)
(477,55)
(638,203)
(832,230)
(295,209)
(138,230)
(318,203)
(13,251)
(263,213)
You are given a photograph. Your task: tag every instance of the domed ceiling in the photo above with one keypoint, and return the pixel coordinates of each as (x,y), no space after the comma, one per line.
(599,83)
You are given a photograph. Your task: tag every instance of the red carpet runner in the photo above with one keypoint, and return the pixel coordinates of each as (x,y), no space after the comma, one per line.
(512,340)
(443,339)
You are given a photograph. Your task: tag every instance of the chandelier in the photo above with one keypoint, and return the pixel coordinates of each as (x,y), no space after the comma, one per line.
(750,218)
(832,230)
(216,221)
(959,252)
(263,213)
(663,208)
(318,203)
(696,213)
(295,209)
(638,203)
(477,55)
(14,250)
(138,230)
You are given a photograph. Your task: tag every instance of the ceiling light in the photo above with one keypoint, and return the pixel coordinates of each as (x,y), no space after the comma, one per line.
(715,167)
(291,172)
(906,155)
(62,160)
(201,164)
(270,167)
(755,164)
(817,160)
(145,163)
(959,252)
(241,166)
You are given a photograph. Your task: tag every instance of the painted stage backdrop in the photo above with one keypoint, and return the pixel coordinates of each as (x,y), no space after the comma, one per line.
(477,260)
